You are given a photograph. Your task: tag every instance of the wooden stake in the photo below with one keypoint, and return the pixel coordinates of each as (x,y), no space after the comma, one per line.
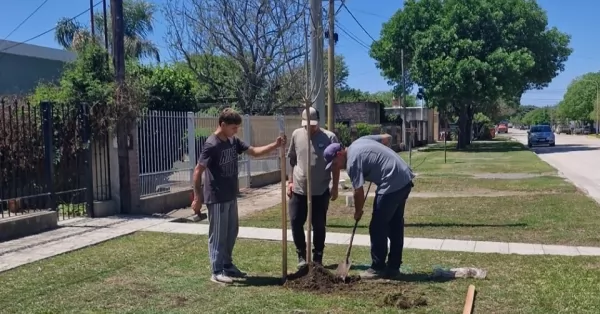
(468,309)
(308,189)
(283,162)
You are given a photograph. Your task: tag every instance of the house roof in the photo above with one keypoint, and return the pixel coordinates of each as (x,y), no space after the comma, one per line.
(34,51)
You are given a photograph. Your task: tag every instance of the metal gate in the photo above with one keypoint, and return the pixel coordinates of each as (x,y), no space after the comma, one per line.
(45,159)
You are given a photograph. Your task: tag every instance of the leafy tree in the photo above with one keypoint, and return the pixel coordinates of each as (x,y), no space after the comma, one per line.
(341,71)
(88,79)
(537,116)
(469,54)
(215,78)
(139,20)
(166,87)
(580,99)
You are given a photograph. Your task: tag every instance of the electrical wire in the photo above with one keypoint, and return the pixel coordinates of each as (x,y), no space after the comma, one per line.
(352,36)
(26,19)
(50,30)
(357,22)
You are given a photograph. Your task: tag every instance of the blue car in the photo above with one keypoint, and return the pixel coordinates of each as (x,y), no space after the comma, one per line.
(540,135)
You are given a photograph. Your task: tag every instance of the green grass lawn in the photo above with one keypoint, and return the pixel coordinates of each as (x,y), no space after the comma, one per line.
(168,273)
(487,157)
(454,183)
(549,219)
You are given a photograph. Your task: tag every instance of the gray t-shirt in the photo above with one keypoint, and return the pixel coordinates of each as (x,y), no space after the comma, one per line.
(297,153)
(369,160)
(220,158)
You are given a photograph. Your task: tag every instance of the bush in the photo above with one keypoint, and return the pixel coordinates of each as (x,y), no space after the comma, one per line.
(362,129)
(343,134)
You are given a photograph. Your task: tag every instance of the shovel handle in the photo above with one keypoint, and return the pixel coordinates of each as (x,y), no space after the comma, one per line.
(354,229)
(351,240)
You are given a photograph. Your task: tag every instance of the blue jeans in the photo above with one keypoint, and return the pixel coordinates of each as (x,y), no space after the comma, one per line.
(387,222)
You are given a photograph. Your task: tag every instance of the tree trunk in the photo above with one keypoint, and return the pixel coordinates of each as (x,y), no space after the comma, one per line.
(463,119)
(469,133)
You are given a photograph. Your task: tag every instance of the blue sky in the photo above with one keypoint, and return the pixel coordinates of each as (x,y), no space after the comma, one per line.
(577,18)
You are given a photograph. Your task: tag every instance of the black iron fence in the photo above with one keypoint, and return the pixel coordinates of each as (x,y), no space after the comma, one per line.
(101,167)
(45,159)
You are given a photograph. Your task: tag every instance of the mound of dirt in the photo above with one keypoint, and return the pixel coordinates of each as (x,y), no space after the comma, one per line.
(318,279)
(405,299)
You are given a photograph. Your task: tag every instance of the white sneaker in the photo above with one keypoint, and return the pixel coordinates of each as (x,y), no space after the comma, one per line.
(221,278)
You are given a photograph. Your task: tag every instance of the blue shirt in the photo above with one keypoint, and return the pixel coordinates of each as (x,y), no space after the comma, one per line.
(369,160)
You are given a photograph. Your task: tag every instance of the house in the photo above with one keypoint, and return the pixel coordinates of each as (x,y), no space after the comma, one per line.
(23,66)
(348,113)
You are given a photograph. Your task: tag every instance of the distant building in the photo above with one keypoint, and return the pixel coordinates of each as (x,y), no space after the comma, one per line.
(348,113)
(24,66)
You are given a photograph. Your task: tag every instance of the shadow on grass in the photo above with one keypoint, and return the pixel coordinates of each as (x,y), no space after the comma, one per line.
(442,225)
(259,281)
(412,277)
(480,147)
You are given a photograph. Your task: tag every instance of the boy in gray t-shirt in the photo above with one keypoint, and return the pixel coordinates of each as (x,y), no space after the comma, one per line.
(366,159)
(218,168)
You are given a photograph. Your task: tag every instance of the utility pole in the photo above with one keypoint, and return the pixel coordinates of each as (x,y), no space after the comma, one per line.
(118,49)
(92,20)
(105,28)
(404,139)
(316,59)
(331,69)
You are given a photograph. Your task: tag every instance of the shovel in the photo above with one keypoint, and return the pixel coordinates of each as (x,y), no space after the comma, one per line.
(344,267)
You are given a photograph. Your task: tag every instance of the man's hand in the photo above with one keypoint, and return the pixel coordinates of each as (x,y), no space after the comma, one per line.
(281,140)
(290,189)
(358,214)
(197,204)
(334,193)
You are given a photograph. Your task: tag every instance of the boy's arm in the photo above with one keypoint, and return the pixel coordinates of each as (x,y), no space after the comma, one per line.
(203,162)
(263,150)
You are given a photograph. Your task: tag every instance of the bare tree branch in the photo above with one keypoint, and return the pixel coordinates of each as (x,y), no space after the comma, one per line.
(259,39)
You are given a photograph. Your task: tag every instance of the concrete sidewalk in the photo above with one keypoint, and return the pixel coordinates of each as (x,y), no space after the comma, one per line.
(76,234)
(409,243)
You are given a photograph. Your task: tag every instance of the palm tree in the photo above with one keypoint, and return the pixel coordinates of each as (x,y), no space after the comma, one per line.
(138,18)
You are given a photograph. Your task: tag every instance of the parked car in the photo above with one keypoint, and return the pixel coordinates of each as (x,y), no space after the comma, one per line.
(588,130)
(540,135)
(502,128)
(563,129)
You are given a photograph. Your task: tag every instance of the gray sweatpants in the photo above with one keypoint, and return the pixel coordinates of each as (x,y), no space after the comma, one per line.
(222,233)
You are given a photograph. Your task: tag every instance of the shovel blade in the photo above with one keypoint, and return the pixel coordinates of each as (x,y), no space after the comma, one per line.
(343,269)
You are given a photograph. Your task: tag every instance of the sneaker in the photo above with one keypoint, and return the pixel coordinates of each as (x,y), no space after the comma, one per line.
(372,274)
(301,261)
(233,271)
(318,258)
(221,278)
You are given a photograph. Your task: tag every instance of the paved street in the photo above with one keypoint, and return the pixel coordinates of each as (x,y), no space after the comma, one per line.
(576,157)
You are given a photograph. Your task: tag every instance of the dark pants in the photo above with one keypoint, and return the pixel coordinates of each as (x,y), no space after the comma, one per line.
(298,215)
(387,222)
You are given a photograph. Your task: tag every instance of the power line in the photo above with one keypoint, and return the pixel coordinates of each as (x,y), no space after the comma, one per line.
(26,19)
(357,22)
(50,30)
(353,37)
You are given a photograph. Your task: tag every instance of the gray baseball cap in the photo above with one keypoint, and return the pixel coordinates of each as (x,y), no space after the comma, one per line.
(314,117)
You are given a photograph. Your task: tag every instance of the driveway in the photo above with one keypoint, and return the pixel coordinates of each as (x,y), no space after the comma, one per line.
(576,157)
